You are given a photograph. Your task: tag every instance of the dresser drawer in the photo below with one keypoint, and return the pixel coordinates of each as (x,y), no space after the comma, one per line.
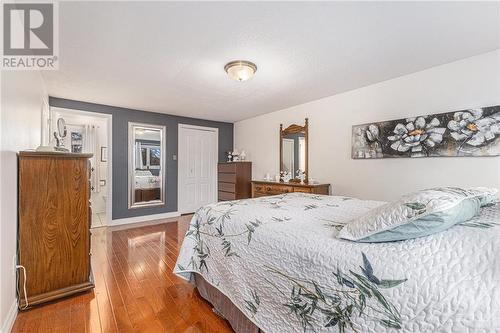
(226,196)
(227,168)
(272,189)
(227,177)
(259,194)
(302,189)
(260,189)
(227,187)
(280,189)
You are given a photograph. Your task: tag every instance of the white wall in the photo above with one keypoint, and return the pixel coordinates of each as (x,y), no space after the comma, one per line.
(467,83)
(23,94)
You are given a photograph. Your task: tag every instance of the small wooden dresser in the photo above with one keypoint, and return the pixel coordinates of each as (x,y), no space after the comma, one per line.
(54,222)
(265,188)
(234,180)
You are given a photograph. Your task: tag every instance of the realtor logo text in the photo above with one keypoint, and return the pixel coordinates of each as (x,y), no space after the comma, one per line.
(29,36)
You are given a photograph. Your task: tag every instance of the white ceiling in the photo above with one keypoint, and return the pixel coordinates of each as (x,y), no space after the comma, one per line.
(169,57)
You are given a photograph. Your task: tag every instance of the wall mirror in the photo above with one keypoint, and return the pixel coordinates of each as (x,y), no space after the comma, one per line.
(294,152)
(146,167)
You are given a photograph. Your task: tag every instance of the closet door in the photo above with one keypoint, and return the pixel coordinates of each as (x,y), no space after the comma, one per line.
(197,167)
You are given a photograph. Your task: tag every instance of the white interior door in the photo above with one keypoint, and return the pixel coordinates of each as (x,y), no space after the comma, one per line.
(197,167)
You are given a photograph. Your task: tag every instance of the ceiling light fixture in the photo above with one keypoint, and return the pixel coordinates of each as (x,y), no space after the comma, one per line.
(240,70)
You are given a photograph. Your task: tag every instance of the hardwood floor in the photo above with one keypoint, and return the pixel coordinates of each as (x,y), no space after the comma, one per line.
(135,289)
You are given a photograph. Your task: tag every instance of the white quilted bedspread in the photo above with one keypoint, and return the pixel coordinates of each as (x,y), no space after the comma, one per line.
(279,261)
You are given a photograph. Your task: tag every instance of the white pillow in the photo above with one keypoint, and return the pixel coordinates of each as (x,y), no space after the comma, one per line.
(418,214)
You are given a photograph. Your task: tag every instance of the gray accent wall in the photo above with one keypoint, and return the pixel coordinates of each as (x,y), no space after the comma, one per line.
(121,118)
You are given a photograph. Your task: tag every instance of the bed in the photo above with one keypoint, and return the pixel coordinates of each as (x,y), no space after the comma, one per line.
(278,261)
(147,186)
(144,179)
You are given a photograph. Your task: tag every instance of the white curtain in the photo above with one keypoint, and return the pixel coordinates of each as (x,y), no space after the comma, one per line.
(91,145)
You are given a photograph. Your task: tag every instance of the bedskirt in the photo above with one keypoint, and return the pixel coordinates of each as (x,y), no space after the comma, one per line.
(224,307)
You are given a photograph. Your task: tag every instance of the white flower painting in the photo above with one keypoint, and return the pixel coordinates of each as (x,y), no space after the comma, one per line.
(417,136)
(473,129)
(474,132)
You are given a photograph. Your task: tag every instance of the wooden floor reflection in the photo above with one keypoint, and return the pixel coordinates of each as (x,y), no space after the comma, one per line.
(135,289)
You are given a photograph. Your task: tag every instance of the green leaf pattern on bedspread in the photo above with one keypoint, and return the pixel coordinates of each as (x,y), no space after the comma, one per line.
(210,221)
(355,295)
(252,305)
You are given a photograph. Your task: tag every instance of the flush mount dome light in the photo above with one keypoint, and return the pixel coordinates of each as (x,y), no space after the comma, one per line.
(240,70)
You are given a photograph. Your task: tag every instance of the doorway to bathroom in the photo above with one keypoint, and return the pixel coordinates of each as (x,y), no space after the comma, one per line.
(90,132)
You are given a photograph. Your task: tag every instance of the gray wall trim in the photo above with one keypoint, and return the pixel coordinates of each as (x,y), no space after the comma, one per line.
(121,118)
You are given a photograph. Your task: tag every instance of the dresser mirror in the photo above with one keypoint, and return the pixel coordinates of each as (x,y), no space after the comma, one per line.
(146,167)
(294,152)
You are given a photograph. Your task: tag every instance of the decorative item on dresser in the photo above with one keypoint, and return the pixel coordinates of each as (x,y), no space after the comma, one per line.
(234,180)
(54,222)
(265,188)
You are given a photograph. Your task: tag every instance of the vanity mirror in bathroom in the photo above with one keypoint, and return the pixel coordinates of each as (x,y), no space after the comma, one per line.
(146,149)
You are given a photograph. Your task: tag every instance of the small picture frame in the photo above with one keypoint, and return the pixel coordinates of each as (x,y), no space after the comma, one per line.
(104,154)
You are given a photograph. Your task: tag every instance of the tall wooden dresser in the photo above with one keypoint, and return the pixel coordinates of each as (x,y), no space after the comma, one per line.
(54,223)
(234,180)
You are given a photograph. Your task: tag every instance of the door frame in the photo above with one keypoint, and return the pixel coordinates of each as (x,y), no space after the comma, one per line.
(109,172)
(180,157)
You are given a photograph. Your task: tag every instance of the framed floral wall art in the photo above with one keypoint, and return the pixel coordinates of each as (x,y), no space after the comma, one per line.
(473,132)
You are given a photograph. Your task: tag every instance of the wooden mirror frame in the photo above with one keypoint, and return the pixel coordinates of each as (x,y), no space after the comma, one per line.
(292,129)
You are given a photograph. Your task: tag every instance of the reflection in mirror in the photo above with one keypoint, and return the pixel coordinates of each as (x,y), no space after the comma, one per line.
(293,152)
(146,167)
